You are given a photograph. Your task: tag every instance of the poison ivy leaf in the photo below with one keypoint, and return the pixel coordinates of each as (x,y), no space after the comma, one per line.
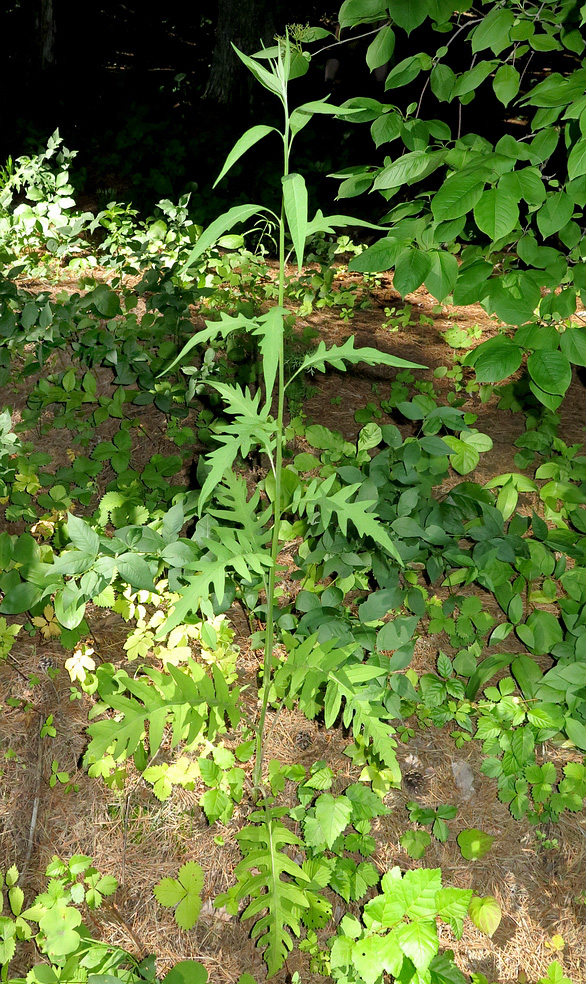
(106,301)
(397,632)
(466,450)
(351,881)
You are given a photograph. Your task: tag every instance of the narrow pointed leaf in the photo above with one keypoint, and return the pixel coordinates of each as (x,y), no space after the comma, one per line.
(225,222)
(246,141)
(295,203)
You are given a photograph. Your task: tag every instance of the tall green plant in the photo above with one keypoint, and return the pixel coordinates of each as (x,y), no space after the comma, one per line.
(257,421)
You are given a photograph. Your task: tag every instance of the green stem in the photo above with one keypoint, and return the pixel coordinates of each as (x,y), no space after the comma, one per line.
(277,505)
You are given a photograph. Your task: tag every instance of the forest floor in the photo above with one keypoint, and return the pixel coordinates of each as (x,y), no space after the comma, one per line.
(132,835)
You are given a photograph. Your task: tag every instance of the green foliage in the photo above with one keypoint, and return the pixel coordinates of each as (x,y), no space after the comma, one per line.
(260,876)
(54,923)
(182,894)
(399,932)
(193,703)
(474,843)
(506,192)
(370,534)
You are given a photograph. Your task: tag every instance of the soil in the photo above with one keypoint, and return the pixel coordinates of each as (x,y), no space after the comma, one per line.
(133,836)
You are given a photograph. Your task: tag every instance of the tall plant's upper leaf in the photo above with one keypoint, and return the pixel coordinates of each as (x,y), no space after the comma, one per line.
(301,115)
(338,355)
(295,204)
(225,222)
(214,329)
(270,327)
(246,141)
(269,80)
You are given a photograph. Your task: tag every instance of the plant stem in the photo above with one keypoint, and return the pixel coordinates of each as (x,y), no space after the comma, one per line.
(270,629)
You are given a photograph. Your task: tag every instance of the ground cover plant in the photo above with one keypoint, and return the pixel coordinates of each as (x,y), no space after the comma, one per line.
(393,591)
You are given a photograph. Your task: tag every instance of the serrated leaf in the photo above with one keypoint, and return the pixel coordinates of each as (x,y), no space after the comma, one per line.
(419,942)
(338,355)
(414,842)
(168,892)
(221,225)
(373,954)
(333,815)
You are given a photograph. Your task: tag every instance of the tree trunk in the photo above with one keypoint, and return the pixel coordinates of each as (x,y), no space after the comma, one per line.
(247,25)
(45,35)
